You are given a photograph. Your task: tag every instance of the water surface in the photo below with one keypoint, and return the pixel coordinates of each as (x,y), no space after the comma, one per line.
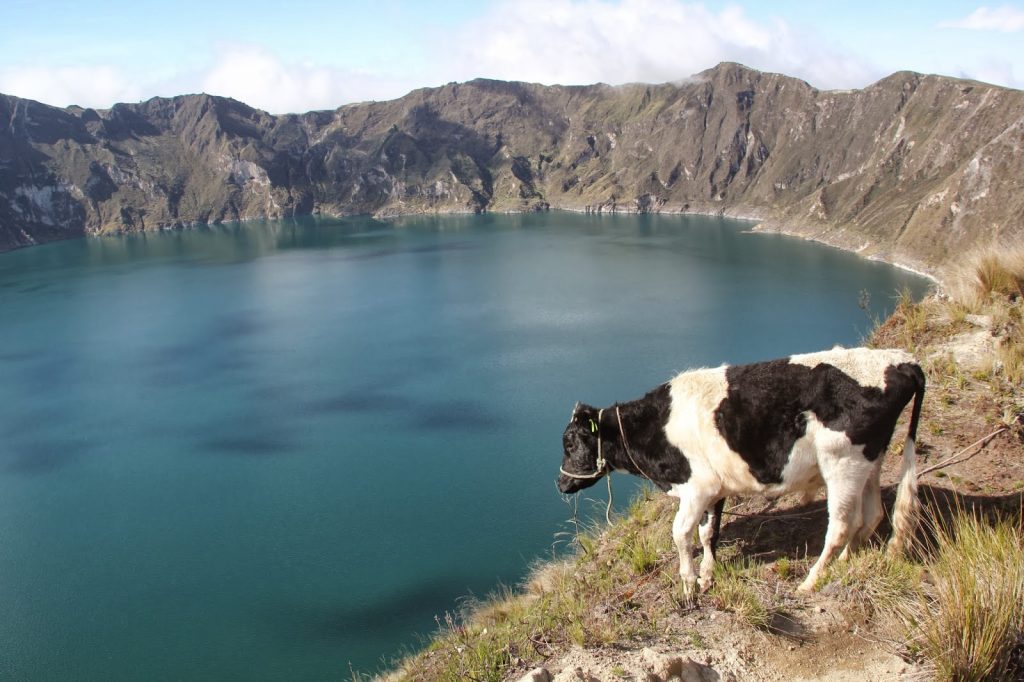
(267,451)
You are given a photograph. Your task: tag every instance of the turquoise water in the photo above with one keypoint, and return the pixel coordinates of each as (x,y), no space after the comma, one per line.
(274,450)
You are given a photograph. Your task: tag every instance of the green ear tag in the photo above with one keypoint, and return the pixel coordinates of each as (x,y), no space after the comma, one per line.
(593,426)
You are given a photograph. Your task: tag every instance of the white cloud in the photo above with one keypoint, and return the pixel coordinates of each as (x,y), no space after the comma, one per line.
(250,74)
(993,70)
(260,78)
(586,41)
(88,86)
(1005,19)
(547,41)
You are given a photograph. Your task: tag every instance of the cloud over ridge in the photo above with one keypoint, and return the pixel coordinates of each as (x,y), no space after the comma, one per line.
(589,41)
(1005,19)
(569,42)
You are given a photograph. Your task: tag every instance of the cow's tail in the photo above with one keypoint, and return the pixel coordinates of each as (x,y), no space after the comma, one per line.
(906,512)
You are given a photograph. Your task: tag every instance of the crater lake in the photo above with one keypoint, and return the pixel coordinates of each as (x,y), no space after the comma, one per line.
(276,449)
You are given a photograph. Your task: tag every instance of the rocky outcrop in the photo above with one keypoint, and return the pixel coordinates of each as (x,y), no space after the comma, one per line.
(913,168)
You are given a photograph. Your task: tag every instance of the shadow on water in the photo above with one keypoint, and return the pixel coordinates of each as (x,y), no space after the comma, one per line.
(269,444)
(42,456)
(435,415)
(32,288)
(49,369)
(206,355)
(234,243)
(20,357)
(373,617)
(357,400)
(31,442)
(236,326)
(175,366)
(455,415)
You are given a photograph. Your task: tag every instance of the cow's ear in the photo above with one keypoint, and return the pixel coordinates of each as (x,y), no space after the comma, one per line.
(584,415)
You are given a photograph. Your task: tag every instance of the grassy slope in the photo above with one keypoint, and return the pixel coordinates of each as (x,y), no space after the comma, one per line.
(620,592)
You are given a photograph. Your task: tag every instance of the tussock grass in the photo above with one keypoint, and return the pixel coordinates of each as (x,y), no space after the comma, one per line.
(991,282)
(874,577)
(961,612)
(963,616)
(784,568)
(1010,351)
(967,620)
(997,289)
(987,273)
(910,319)
(985,292)
(739,589)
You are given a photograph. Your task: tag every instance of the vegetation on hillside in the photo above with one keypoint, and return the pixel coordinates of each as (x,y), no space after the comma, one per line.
(954,609)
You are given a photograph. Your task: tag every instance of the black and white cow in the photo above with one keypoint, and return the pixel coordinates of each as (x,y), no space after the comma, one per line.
(789,425)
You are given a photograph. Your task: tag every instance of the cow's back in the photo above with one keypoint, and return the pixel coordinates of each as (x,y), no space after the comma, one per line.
(866,366)
(760,412)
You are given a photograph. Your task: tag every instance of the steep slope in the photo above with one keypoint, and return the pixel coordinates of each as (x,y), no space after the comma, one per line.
(913,168)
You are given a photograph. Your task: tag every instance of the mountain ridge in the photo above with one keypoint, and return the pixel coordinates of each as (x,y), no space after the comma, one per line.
(913,168)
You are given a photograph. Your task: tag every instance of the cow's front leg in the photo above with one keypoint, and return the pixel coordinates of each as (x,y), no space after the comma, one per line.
(690,510)
(709,531)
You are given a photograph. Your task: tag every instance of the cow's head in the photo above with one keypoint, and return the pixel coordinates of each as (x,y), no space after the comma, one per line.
(580,468)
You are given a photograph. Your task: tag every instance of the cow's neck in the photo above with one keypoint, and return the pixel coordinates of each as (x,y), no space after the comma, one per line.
(618,421)
(641,446)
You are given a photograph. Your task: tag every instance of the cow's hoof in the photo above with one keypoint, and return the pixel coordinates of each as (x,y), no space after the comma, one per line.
(705,584)
(689,592)
(806,587)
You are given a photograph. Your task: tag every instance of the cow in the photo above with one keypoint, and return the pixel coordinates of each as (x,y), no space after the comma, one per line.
(770,428)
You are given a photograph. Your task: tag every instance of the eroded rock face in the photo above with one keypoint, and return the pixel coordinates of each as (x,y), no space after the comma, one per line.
(913,168)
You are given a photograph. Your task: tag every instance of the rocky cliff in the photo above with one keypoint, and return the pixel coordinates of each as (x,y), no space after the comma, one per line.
(913,168)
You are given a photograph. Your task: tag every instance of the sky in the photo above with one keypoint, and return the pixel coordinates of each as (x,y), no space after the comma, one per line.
(302,55)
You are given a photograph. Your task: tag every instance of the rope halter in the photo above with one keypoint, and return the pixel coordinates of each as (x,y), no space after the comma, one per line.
(602,463)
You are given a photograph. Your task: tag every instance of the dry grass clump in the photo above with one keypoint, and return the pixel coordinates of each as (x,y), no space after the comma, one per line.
(739,589)
(1008,323)
(990,272)
(961,612)
(911,319)
(876,578)
(967,619)
(993,284)
(986,292)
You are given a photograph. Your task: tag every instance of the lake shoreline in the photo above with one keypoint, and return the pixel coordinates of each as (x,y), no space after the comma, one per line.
(762,224)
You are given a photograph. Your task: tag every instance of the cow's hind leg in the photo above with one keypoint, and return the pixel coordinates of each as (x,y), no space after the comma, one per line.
(871,511)
(845,479)
(709,531)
